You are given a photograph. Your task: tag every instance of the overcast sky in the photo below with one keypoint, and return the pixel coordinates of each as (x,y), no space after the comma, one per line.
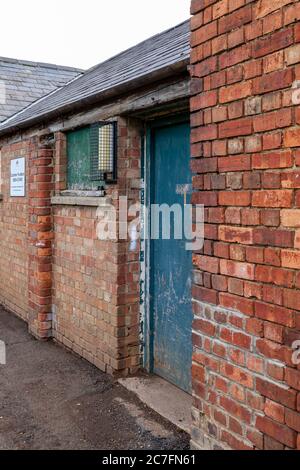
(82,33)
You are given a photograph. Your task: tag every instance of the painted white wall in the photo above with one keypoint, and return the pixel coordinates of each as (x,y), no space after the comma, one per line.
(82,33)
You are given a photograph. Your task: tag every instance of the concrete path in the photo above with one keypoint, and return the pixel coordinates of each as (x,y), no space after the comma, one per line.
(166,399)
(51,399)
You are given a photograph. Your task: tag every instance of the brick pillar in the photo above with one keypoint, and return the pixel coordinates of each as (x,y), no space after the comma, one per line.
(60,162)
(245,139)
(40,237)
(128,276)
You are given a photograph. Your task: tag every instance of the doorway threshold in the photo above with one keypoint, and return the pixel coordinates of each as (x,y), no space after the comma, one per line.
(164,398)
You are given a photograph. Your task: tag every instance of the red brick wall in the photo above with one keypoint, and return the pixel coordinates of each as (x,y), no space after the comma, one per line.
(13,236)
(96,282)
(55,272)
(245,139)
(26,236)
(40,235)
(84,286)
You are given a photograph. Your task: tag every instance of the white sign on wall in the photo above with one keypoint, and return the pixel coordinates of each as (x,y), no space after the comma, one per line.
(17,177)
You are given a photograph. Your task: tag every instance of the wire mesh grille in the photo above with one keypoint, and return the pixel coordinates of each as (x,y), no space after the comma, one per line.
(103,151)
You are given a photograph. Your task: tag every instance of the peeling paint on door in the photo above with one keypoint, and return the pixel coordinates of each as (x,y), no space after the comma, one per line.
(170,263)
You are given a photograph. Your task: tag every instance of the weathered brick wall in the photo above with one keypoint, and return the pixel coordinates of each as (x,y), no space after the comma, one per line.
(40,235)
(55,272)
(13,236)
(26,235)
(245,139)
(84,286)
(96,282)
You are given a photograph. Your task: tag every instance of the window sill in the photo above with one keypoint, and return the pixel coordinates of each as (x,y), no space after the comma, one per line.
(87,201)
(82,193)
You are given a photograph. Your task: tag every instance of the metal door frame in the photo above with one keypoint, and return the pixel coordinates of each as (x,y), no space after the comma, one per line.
(146,255)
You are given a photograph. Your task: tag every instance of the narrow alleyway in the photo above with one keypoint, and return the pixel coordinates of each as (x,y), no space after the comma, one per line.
(51,399)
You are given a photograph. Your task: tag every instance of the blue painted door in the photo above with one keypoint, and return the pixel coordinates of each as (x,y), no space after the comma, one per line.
(171,263)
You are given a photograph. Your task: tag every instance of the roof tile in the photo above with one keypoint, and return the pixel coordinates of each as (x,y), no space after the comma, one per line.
(26,82)
(153,55)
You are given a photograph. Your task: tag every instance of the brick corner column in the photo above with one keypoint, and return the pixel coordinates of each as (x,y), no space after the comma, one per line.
(245,140)
(40,234)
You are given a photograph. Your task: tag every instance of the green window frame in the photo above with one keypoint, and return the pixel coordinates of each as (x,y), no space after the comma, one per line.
(92,156)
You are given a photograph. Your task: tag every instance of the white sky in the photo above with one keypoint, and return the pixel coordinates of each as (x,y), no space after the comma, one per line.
(82,33)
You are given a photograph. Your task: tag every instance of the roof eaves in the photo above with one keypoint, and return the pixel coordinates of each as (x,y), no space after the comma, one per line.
(165,72)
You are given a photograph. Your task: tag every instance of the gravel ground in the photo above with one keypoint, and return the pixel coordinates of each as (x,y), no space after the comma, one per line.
(51,399)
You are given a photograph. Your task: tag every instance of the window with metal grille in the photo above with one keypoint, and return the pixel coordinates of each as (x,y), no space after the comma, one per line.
(92,156)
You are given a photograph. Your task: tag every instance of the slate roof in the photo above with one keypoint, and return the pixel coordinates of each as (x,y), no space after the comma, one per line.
(26,82)
(155,58)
